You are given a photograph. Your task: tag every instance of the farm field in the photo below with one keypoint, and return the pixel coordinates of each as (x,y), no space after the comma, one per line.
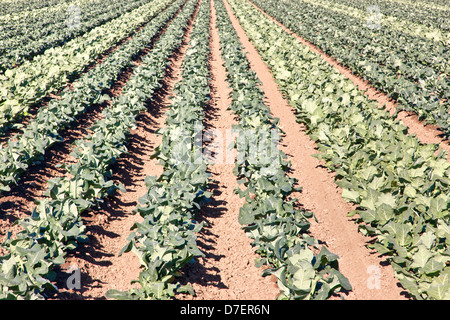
(224,150)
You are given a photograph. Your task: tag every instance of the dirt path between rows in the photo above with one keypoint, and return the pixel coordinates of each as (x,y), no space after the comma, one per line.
(108,227)
(369,276)
(426,133)
(227,272)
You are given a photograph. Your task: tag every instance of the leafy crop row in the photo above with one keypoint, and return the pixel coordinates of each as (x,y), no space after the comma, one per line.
(13,7)
(372,15)
(25,85)
(269,215)
(29,147)
(55,226)
(410,69)
(401,186)
(166,238)
(25,36)
(420,13)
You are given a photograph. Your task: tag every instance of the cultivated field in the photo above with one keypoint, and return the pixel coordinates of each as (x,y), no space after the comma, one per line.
(224,149)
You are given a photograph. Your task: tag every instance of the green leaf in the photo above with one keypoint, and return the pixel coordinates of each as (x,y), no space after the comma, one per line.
(126,248)
(433,266)
(427,239)
(344,282)
(438,206)
(371,199)
(421,257)
(387,199)
(246,215)
(302,278)
(350,195)
(325,257)
(117,294)
(384,213)
(439,291)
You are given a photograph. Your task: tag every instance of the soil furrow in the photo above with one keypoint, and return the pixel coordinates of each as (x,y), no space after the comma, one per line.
(227,272)
(426,133)
(109,226)
(368,274)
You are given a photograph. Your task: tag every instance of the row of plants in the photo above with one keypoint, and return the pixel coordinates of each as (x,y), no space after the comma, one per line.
(26,36)
(55,226)
(426,52)
(13,7)
(165,239)
(435,4)
(7,18)
(428,13)
(412,70)
(270,215)
(401,186)
(19,23)
(29,147)
(27,84)
(374,15)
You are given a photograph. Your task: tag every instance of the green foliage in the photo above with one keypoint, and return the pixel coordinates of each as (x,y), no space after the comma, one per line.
(29,32)
(269,215)
(55,226)
(29,147)
(166,239)
(28,83)
(412,70)
(401,186)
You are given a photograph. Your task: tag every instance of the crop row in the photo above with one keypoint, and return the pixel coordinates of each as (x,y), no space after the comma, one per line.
(55,226)
(304,269)
(13,7)
(165,240)
(410,69)
(25,149)
(401,187)
(26,36)
(27,84)
(374,17)
(420,13)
